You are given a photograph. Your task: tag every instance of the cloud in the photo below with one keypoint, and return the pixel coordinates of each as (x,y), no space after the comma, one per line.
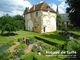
(54,6)
(61,7)
(13,7)
(1,13)
(61,0)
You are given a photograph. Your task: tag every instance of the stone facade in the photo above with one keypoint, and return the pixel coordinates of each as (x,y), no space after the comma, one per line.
(42,20)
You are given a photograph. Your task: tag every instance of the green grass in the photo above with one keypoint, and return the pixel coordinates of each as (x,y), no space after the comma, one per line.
(20,35)
(48,58)
(31,56)
(3,48)
(54,37)
(76,32)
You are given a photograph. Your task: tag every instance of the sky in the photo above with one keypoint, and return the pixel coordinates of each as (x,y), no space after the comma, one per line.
(14,7)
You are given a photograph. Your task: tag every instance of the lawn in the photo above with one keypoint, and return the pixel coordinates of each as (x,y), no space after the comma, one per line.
(33,56)
(20,35)
(53,37)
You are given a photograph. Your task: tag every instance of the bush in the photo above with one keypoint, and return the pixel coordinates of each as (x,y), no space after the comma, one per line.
(27,56)
(20,50)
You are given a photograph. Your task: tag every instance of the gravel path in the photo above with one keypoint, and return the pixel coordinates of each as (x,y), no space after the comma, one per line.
(29,48)
(13,47)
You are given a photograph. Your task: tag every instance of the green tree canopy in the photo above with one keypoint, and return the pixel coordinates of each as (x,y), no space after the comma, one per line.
(7,24)
(11,23)
(19,22)
(74,11)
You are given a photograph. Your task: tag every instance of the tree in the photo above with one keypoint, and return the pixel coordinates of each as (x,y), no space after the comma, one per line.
(7,24)
(19,22)
(11,23)
(18,17)
(58,18)
(58,21)
(74,12)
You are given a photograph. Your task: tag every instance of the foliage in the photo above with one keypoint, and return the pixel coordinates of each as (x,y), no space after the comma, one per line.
(51,38)
(47,47)
(27,56)
(20,50)
(7,56)
(74,11)
(11,23)
(4,54)
(58,18)
(21,34)
(73,45)
(19,22)
(33,56)
(7,24)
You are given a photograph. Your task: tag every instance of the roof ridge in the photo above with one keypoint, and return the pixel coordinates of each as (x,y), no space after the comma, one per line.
(41,6)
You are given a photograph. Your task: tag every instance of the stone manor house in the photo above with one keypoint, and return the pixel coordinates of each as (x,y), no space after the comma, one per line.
(40,18)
